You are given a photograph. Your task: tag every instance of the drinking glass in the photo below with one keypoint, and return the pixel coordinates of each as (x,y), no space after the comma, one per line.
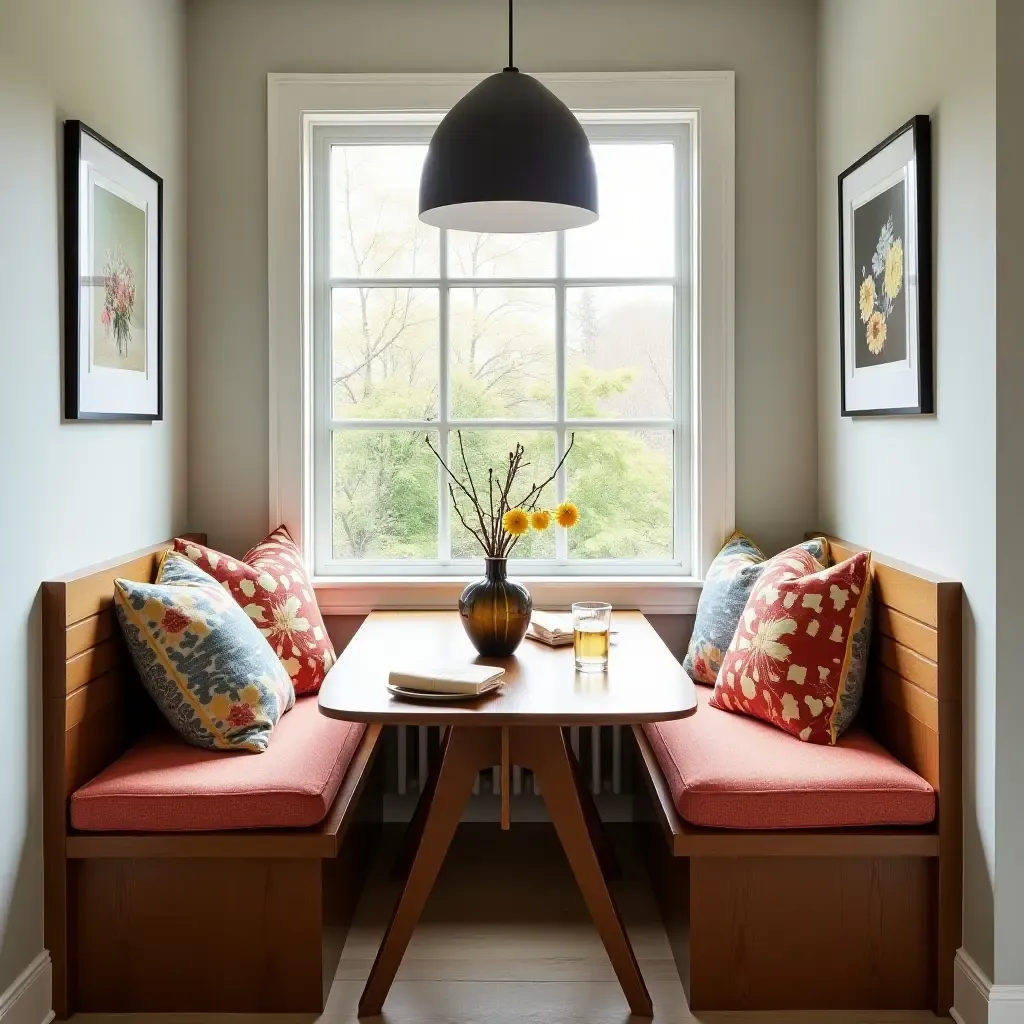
(591,625)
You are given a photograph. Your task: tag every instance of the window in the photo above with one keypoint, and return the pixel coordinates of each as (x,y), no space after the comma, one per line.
(475,341)
(609,337)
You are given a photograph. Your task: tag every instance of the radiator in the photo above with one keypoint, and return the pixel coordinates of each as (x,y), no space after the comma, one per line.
(411,753)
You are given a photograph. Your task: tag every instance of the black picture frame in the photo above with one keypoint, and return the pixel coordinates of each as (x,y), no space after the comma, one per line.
(917,340)
(78,135)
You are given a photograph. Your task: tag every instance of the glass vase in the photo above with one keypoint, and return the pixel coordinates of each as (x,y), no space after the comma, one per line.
(495,610)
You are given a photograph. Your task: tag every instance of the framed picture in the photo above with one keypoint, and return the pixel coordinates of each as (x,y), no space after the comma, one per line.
(113,282)
(885,267)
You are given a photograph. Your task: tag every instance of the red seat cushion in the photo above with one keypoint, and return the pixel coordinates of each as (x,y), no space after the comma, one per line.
(163,784)
(731,771)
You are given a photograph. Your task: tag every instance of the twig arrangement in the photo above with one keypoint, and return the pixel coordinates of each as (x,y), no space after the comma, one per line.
(503,522)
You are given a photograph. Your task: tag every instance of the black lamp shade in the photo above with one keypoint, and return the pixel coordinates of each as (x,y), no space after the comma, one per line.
(510,156)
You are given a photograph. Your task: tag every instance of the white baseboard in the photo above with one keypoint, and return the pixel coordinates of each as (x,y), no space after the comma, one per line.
(977,1001)
(28,1000)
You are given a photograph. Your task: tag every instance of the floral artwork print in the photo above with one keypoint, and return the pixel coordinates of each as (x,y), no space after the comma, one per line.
(118,299)
(119,229)
(886,264)
(880,297)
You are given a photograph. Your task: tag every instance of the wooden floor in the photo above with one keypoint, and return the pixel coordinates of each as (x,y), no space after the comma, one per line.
(506,940)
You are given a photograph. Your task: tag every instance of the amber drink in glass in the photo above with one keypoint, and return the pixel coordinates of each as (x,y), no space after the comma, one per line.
(591,624)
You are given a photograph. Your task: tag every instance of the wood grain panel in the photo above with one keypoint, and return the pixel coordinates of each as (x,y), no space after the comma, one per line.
(93,744)
(56,923)
(907,631)
(950,641)
(91,664)
(94,698)
(90,632)
(148,937)
(907,663)
(902,587)
(94,593)
(911,698)
(757,936)
(91,590)
(911,741)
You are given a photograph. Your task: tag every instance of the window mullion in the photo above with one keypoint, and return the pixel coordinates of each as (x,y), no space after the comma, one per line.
(561,542)
(444,533)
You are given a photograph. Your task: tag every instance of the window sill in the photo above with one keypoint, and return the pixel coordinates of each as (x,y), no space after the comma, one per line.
(654,595)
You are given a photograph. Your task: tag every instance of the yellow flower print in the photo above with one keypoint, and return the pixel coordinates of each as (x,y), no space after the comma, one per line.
(867,298)
(894,269)
(876,333)
(287,621)
(766,639)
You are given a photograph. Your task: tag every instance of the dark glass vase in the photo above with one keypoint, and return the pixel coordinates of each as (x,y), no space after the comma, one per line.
(495,611)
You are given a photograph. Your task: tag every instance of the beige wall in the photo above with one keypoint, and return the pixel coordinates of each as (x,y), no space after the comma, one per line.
(924,488)
(1009,903)
(72,494)
(234,43)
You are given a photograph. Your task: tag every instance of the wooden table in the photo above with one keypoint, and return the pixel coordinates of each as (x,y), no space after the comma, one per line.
(522,726)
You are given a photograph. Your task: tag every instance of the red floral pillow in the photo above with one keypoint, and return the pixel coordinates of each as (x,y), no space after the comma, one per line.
(273,588)
(799,656)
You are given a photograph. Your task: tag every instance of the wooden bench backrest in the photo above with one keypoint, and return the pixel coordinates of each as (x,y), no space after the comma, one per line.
(912,699)
(95,706)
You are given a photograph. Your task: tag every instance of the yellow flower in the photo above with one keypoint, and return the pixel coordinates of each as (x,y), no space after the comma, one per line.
(567,514)
(867,298)
(894,269)
(515,522)
(541,519)
(876,333)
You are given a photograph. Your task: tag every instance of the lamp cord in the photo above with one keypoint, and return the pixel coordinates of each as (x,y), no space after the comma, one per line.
(511,31)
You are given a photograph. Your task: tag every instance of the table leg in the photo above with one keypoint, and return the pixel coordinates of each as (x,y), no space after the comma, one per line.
(467,751)
(544,751)
(414,830)
(598,836)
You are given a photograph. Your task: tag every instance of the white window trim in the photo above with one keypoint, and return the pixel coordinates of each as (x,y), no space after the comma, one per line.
(295,102)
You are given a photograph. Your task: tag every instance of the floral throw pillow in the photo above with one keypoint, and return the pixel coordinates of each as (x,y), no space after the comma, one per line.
(273,588)
(800,653)
(204,663)
(730,579)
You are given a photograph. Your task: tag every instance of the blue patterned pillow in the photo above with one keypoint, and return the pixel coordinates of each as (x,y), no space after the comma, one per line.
(202,659)
(729,582)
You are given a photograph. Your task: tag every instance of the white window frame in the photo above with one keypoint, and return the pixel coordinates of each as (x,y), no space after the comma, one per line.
(297,104)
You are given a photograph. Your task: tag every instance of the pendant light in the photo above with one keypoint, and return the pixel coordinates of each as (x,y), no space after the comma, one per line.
(510,156)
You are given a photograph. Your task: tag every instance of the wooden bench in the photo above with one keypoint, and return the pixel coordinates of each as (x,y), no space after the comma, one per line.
(865,918)
(147,922)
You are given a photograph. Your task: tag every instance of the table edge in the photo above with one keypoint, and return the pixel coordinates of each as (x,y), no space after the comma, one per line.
(438,714)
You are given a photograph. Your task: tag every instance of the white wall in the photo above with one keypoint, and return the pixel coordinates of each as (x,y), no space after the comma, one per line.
(924,489)
(72,494)
(234,43)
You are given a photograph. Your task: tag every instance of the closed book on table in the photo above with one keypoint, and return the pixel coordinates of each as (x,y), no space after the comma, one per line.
(447,679)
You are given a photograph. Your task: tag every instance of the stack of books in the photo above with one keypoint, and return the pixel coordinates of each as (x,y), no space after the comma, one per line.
(551,628)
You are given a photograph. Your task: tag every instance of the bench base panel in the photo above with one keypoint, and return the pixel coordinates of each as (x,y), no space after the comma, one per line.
(793,933)
(212,935)
(198,935)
